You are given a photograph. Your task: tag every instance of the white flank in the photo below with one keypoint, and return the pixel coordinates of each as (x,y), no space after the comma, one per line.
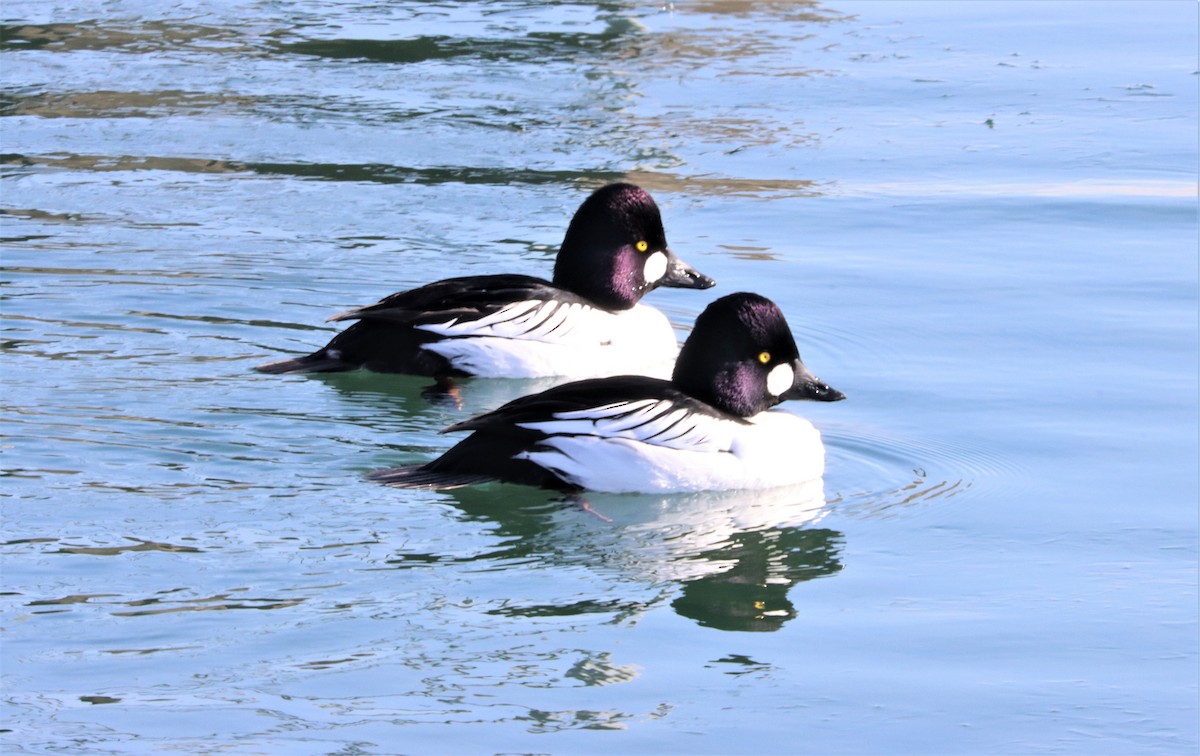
(775,449)
(535,338)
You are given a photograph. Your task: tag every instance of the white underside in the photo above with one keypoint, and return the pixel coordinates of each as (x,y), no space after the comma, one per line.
(774,449)
(535,339)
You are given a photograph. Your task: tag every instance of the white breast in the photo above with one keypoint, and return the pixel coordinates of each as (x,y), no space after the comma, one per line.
(547,338)
(774,449)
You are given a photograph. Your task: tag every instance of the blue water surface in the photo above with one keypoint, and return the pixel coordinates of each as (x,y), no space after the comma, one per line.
(980,219)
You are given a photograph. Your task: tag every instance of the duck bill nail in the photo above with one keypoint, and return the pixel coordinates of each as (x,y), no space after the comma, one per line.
(827,393)
(810,388)
(680,275)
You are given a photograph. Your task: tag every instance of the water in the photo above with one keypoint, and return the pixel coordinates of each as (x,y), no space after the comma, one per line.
(980,219)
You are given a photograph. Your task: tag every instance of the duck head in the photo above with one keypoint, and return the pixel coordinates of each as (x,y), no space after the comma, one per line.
(742,359)
(615,250)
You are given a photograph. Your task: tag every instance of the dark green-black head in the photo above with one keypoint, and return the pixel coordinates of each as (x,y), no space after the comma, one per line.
(742,359)
(615,250)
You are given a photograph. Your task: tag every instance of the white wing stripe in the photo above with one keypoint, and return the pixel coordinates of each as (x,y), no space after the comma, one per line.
(534,320)
(562,427)
(485,326)
(664,423)
(631,420)
(605,410)
(554,318)
(657,423)
(502,315)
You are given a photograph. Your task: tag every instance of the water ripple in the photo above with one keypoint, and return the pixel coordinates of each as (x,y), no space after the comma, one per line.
(892,473)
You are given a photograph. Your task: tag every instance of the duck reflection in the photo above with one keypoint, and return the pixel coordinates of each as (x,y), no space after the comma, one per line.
(752,594)
(726,560)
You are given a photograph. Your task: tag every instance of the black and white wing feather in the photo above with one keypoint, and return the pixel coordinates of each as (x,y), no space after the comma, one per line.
(630,407)
(395,334)
(508,306)
(519,441)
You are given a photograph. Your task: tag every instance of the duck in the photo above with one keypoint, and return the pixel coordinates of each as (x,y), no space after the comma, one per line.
(587,321)
(714,425)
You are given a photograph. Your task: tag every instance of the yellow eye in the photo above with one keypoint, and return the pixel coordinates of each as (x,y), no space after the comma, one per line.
(642,246)
(764,357)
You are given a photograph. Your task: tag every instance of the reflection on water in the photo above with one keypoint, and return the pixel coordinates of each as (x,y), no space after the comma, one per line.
(752,593)
(153,605)
(727,560)
(539,47)
(138,545)
(724,559)
(106,163)
(140,37)
(119,105)
(652,181)
(406,80)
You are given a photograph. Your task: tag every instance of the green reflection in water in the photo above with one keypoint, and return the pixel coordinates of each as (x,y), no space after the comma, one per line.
(753,593)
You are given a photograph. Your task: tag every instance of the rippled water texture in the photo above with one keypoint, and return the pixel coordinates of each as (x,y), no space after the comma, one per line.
(980,219)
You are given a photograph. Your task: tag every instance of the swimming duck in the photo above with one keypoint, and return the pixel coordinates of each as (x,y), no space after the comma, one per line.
(710,427)
(587,321)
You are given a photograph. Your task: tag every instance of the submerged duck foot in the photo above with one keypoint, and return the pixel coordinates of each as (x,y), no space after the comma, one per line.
(586,507)
(444,392)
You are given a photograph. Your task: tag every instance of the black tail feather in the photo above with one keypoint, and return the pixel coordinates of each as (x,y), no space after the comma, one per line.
(419,476)
(317,362)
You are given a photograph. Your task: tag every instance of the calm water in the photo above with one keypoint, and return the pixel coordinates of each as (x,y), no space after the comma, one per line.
(980,218)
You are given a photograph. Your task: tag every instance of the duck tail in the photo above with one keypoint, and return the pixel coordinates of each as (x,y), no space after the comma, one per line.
(420,476)
(317,362)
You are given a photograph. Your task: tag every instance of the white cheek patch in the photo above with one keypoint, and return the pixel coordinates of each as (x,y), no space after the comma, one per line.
(656,266)
(780,379)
